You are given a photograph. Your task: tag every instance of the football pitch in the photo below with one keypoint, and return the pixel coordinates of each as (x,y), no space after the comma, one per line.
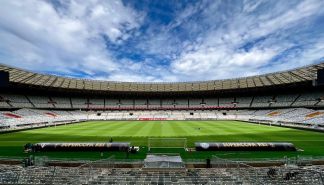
(137,132)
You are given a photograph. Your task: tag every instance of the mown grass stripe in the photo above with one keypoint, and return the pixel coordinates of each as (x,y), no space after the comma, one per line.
(137,132)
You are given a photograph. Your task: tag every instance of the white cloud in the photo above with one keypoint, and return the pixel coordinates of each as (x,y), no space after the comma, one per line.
(221,63)
(251,5)
(203,42)
(38,37)
(218,55)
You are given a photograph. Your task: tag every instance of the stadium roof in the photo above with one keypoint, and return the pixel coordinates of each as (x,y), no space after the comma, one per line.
(24,77)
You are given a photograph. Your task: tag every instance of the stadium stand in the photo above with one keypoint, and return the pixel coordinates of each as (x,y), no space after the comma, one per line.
(243,102)
(41,101)
(288,98)
(87,175)
(23,118)
(226,102)
(80,103)
(195,103)
(181,103)
(96,103)
(211,102)
(154,103)
(111,103)
(16,101)
(168,103)
(308,99)
(126,104)
(262,101)
(61,102)
(283,100)
(140,104)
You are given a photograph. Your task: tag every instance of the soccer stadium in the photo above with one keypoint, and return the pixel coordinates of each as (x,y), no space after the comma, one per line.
(257,121)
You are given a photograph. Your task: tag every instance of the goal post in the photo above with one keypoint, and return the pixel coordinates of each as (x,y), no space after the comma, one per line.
(166,143)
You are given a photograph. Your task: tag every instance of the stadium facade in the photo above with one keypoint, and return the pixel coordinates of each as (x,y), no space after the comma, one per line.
(293,98)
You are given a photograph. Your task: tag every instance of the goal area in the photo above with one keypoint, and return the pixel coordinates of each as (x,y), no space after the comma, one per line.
(166,143)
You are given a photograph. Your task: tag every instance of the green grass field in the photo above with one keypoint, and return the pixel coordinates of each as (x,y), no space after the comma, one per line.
(137,132)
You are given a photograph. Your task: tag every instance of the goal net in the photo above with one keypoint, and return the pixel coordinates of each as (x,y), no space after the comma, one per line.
(167,143)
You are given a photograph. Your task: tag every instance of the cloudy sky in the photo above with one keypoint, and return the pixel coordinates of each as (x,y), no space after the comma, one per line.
(161,40)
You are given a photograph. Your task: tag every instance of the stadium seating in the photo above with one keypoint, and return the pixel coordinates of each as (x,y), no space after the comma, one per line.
(284,100)
(126,104)
(298,109)
(194,103)
(226,102)
(181,103)
(18,101)
(243,102)
(211,102)
(61,102)
(292,100)
(41,101)
(14,174)
(140,103)
(4,102)
(112,103)
(80,103)
(96,103)
(154,103)
(308,99)
(23,118)
(168,103)
(262,101)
